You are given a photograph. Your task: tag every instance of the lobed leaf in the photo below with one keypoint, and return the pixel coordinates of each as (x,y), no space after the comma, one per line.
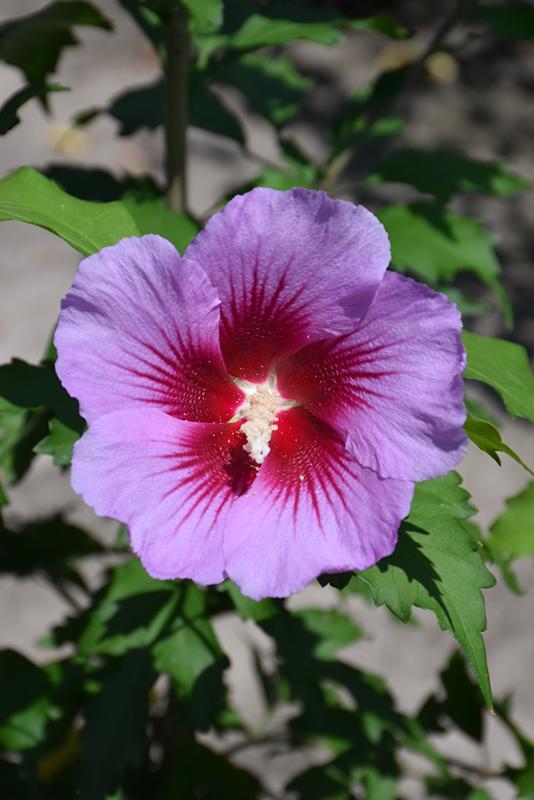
(505,367)
(438,566)
(437,244)
(512,533)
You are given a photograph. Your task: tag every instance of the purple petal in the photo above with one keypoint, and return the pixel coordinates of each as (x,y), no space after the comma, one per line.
(139,327)
(171,482)
(393,388)
(312,509)
(290,268)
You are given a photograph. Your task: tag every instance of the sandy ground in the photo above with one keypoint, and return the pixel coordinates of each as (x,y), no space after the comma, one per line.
(37,270)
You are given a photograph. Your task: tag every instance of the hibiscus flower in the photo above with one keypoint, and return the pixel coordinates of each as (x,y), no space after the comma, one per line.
(260,408)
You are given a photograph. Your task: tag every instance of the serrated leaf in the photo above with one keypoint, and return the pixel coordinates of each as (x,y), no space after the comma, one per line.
(509,20)
(488,439)
(28,196)
(114,737)
(438,566)
(59,443)
(273,87)
(131,614)
(436,245)
(9,117)
(34,43)
(505,367)
(512,533)
(152,216)
(443,173)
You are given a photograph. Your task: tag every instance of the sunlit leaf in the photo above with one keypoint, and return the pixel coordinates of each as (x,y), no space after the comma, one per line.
(505,367)
(487,438)
(132,612)
(152,216)
(192,656)
(436,244)
(206,15)
(59,443)
(512,533)
(28,196)
(438,566)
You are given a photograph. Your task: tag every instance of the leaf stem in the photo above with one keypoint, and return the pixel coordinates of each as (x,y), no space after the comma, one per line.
(176,68)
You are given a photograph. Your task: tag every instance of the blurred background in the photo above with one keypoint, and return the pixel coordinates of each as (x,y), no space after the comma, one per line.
(480,102)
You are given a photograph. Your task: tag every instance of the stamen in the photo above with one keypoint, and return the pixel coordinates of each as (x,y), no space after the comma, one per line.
(260,409)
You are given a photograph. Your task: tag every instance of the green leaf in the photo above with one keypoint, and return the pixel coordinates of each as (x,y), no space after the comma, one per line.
(25,707)
(247,608)
(59,443)
(462,703)
(152,216)
(28,386)
(206,15)
(509,20)
(487,438)
(9,117)
(333,629)
(382,23)
(206,775)
(3,497)
(273,87)
(142,108)
(20,431)
(132,612)
(192,656)
(512,534)
(28,196)
(114,737)
(260,31)
(438,566)
(436,245)
(443,173)
(505,367)
(34,43)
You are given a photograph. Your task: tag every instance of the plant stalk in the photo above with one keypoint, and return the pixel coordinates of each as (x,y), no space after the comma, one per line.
(176,108)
